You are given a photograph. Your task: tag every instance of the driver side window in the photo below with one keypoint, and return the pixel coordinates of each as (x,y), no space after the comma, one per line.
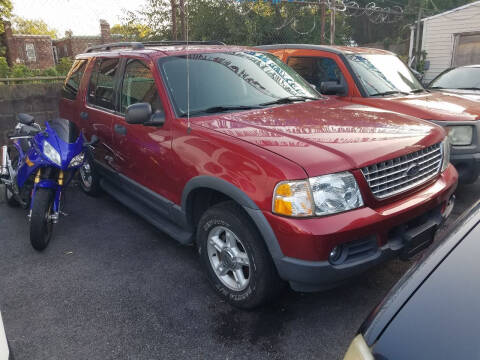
(139,86)
(316,69)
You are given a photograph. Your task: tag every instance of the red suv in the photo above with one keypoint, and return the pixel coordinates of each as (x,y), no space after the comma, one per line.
(379,78)
(230,149)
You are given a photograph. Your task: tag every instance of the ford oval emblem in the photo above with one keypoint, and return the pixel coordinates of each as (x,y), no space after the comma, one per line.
(412,170)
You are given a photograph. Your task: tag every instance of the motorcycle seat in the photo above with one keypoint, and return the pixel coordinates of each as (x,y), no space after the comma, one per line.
(25,119)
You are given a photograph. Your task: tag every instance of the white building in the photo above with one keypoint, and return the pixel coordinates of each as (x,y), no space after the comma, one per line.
(451,39)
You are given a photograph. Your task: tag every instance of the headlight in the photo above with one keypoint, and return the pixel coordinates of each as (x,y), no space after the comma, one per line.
(358,350)
(77,160)
(322,195)
(51,153)
(335,193)
(293,198)
(445,153)
(460,135)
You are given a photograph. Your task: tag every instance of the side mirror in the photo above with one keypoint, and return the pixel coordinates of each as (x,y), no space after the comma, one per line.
(138,113)
(333,88)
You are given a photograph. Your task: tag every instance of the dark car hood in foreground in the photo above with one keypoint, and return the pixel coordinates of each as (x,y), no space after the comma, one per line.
(327,136)
(435,105)
(432,312)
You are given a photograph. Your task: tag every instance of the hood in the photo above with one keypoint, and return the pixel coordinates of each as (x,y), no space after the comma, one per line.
(327,136)
(437,105)
(473,95)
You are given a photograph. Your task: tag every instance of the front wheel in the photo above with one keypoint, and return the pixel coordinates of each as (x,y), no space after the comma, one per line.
(236,258)
(41,224)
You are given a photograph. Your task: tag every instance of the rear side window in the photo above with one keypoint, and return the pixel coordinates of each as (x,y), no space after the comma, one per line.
(316,69)
(72,82)
(101,87)
(139,86)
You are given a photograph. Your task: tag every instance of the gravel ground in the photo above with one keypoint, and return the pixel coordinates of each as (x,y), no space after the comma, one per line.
(110,286)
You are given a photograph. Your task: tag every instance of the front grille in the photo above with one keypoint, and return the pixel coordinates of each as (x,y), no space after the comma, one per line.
(391,177)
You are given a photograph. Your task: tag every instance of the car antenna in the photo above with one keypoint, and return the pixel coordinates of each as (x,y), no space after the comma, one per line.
(189,129)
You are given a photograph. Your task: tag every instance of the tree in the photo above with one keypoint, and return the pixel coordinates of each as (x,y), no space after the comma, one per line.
(132,31)
(5,14)
(63,66)
(32,27)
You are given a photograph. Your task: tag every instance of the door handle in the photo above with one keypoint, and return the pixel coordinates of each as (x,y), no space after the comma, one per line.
(120,129)
(84,115)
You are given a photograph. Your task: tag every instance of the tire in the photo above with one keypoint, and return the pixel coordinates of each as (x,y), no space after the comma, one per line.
(10,199)
(237,249)
(41,227)
(89,177)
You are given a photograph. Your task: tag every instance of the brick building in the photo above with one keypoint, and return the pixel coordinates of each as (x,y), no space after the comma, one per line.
(41,52)
(35,51)
(71,45)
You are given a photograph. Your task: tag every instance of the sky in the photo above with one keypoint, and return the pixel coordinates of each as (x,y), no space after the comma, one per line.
(81,16)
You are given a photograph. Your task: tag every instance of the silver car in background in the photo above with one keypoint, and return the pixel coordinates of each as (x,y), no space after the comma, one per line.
(4,351)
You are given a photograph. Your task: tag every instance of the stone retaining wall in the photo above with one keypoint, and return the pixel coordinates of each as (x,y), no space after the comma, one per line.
(39,100)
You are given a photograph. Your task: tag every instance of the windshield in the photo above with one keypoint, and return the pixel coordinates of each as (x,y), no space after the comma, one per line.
(383,74)
(234,79)
(459,78)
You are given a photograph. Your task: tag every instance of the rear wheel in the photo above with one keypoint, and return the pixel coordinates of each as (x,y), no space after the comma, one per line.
(10,198)
(41,224)
(89,178)
(236,258)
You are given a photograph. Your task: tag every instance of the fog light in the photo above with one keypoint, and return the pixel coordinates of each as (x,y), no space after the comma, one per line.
(335,254)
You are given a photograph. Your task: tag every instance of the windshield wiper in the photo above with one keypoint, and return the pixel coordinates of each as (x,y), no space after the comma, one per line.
(469,88)
(220,108)
(393,92)
(436,87)
(289,99)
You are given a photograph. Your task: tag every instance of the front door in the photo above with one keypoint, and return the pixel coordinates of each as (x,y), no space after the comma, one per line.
(142,152)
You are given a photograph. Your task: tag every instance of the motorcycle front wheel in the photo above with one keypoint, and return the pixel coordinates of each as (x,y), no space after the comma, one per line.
(41,224)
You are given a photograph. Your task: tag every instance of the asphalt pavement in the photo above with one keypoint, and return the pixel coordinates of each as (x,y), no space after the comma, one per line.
(110,286)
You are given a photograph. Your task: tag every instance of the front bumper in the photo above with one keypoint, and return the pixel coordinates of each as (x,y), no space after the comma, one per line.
(375,234)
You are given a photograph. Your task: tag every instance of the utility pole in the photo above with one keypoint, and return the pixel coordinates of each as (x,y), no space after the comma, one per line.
(322,34)
(173,5)
(182,18)
(333,11)
(417,40)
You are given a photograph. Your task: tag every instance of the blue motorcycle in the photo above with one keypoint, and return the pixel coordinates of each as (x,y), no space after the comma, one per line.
(38,168)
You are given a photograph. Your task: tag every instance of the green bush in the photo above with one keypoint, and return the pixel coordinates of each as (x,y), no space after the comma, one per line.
(4,69)
(20,71)
(50,72)
(64,66)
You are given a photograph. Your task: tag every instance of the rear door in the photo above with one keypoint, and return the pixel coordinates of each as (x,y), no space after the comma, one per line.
(98,112)
(70,103)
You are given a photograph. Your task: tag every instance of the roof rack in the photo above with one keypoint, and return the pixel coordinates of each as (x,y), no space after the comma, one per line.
(181,42)
(135,45)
